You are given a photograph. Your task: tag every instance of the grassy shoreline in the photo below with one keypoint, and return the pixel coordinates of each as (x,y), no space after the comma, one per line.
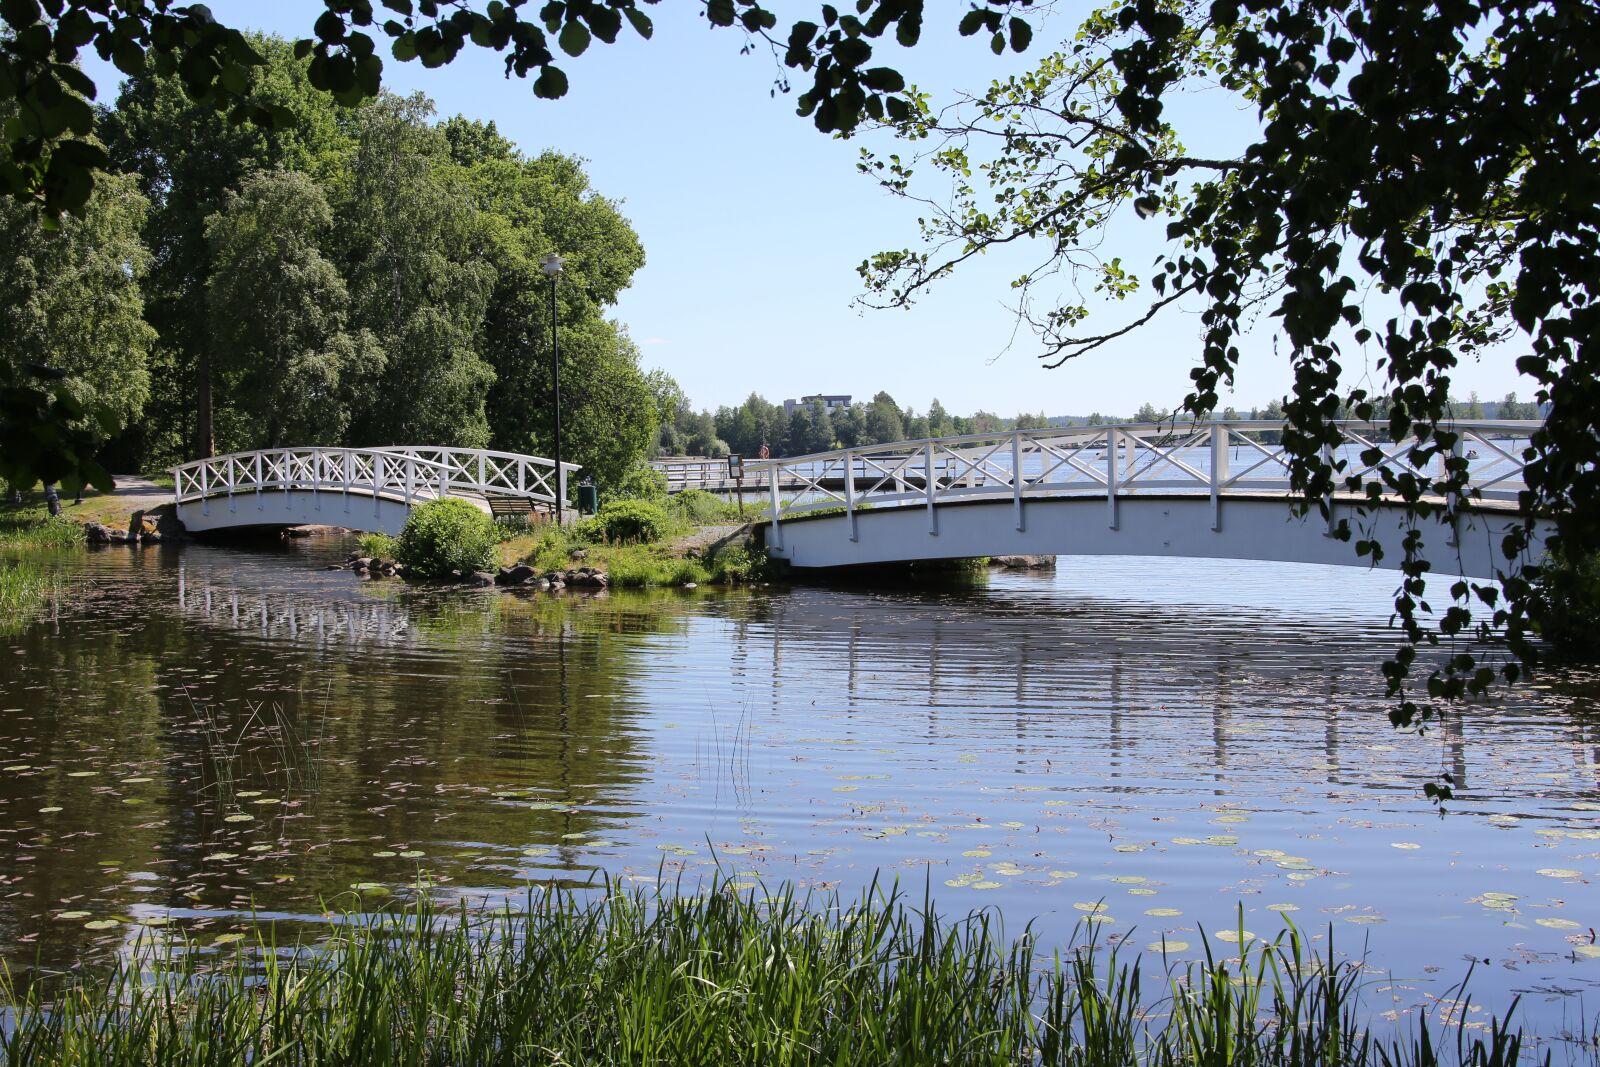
(725,976)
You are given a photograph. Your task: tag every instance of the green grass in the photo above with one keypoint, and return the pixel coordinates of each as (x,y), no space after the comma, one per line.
(24,588)
(23,532)
(639,566)
(723,977)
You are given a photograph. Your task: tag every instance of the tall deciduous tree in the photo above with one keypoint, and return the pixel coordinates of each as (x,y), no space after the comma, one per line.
(187,156)
(70,300)
(278,312)
(412,251)
(528,208)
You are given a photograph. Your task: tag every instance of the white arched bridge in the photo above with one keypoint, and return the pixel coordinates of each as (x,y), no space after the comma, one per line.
(1215,489)
(357,488)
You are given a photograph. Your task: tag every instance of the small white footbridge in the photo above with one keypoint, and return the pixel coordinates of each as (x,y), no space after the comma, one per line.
(357,488)
(1216,490)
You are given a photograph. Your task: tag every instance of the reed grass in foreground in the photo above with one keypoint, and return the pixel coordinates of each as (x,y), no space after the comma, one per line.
(24,588)
(627,977)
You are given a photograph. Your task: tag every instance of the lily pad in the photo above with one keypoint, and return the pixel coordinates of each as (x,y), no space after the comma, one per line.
(1559,924)
(1559,872)
(1163,913)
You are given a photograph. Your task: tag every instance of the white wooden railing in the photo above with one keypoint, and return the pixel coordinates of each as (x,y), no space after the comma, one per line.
(1217,459)
(400,472)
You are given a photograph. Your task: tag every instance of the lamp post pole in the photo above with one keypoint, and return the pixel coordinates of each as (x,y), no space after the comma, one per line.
(551,265)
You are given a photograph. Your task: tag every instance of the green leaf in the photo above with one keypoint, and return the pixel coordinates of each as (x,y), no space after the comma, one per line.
(971,22)
(883,79)
(574,38)
(551,84)
(720,12)
(640,22)
(1021,35)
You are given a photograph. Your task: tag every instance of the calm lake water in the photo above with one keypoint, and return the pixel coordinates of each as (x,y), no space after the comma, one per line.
(202,737)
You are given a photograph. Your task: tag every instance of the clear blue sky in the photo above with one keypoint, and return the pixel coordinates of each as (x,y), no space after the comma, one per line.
(753,224)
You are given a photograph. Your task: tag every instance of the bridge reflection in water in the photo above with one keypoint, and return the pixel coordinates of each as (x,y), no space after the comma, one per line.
(292,616)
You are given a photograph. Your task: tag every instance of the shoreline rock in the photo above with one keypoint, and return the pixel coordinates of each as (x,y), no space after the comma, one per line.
(1025,563)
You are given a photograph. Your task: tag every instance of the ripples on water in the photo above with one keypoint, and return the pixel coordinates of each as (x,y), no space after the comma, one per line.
(197,736)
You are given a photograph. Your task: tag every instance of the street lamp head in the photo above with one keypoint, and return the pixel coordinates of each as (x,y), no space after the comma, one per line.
(551,264)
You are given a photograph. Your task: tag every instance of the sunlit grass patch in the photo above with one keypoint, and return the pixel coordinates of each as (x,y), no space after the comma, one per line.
(23,531)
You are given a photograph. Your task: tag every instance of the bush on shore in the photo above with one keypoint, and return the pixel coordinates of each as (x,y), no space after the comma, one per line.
(446,535)
(626,522)
(1568,606)
(730,976)
(378,545)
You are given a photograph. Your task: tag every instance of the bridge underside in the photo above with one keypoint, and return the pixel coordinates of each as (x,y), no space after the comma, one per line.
(1259,528)
(297,507)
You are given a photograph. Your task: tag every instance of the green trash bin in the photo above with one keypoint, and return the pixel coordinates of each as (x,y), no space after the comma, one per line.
(588,499)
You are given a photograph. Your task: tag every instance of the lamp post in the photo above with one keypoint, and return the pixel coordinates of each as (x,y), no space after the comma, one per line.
(551,265)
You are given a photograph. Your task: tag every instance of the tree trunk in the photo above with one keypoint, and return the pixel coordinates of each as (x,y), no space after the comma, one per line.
(205,440)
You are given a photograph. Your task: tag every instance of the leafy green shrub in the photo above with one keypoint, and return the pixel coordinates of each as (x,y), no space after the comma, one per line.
(445,535)
(700,507)
(1567,607)
(643,482)
(736,564)
(378,545)
(626,522)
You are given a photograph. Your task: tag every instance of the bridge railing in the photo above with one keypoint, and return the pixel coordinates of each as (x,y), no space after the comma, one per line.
(1209,458)
(403,473)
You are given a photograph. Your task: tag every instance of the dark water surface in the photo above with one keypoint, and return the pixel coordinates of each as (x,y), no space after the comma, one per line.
(197,737)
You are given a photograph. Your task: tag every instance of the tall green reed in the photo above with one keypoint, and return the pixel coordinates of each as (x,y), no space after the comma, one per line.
(634,976)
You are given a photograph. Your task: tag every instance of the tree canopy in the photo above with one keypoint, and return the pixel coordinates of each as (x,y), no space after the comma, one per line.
(1422,185)
(351,275)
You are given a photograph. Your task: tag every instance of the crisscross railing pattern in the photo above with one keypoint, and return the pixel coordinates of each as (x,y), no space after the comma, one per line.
(399,472)
(1219,459)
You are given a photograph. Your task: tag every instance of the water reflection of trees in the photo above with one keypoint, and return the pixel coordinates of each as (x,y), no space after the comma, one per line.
(372,721)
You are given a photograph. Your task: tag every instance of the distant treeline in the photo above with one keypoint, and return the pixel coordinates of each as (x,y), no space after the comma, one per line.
(814,427)
(362,275)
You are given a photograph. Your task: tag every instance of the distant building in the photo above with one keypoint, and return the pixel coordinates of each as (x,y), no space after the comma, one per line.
(832,402)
